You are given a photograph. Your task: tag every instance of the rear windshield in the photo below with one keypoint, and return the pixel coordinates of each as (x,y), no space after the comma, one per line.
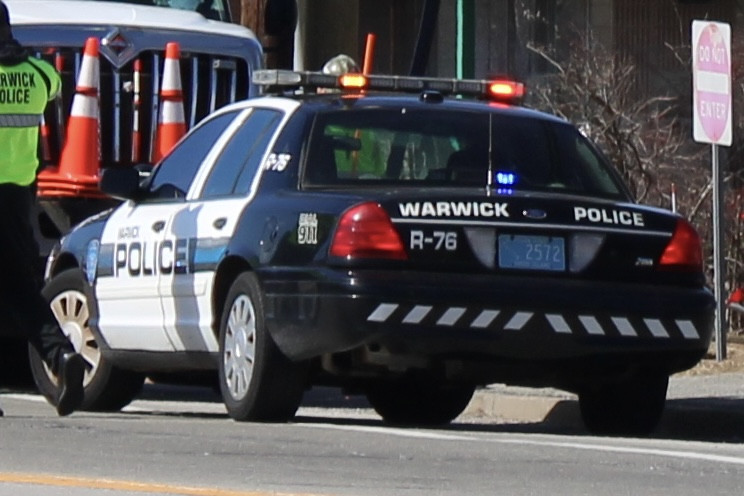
(429,147)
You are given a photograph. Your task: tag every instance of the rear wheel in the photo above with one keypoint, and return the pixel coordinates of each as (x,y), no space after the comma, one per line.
(257,382)
(106,387)
(419,401)
(630,407)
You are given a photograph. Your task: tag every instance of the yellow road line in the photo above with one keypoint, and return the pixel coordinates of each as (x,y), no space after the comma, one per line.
(122,485)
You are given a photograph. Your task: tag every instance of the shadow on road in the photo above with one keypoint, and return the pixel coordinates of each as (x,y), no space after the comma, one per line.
(694,419)
(690,419)
(703,419)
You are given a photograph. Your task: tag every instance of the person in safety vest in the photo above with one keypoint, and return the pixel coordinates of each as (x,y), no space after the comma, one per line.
(26,85)
(368,158)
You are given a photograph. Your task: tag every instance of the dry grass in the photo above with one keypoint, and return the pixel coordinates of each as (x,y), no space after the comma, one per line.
(734,361)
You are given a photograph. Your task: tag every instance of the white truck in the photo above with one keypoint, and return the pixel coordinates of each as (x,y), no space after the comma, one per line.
(216,63)
(217,59)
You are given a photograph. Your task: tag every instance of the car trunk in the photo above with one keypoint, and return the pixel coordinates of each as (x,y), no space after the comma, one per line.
(552,236)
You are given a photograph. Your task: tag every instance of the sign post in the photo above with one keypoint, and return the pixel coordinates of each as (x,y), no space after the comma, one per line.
(711,102)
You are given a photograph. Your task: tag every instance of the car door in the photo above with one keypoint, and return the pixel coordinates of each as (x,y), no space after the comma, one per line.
(208,222)
(139,246)
(131,316)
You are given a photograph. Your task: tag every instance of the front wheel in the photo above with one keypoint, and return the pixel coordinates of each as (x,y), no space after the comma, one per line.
(257,382)
(419,402)
(630,407)
(106,387)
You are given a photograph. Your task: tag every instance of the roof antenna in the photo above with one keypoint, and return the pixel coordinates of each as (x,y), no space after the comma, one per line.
(489,179)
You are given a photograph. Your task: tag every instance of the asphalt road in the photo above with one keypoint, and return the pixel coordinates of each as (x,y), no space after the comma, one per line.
(180,441)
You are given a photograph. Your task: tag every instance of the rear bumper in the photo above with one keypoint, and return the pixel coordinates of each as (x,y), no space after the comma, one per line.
(490,320)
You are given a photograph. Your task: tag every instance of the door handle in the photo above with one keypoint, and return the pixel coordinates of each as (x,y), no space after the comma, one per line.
(219,223)
(158,225)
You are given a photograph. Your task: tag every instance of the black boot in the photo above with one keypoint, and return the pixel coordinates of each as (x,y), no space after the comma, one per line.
(70,371)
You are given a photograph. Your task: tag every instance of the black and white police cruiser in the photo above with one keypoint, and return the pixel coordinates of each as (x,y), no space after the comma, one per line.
(387,237)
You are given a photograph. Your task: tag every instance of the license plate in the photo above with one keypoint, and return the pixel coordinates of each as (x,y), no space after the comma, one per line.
(532,252)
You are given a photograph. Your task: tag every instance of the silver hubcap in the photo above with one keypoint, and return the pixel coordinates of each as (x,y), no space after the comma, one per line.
(71,310)
(240,347)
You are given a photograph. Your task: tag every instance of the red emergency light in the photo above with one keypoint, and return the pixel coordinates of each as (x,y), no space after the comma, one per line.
(506,89)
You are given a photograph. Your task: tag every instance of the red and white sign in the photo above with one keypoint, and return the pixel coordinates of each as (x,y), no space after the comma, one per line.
(711,80)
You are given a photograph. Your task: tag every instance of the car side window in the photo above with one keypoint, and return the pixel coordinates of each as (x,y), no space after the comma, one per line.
(237,164)
(172,178)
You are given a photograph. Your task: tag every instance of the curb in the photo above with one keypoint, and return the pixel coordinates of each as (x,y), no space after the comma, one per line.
(703,418)
(500,407)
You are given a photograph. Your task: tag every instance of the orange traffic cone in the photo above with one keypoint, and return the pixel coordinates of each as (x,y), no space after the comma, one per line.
(46,152)
(81,156)
(80,159)
(172,118)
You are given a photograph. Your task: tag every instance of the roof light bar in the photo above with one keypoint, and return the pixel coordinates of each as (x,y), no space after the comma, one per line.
(501,90)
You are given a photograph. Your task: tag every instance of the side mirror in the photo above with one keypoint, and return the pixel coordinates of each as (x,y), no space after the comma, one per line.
(121,182)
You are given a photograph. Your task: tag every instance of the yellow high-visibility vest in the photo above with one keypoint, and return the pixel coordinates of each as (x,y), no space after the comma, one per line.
(25,89)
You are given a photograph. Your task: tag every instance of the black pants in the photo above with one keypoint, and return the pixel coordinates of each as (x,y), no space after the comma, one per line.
(23,311)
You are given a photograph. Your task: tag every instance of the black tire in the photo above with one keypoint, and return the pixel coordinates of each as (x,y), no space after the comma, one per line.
(418,402)
(631,407)
(106,387)
(257,382)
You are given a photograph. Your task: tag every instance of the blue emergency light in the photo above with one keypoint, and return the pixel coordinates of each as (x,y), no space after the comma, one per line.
(505,178)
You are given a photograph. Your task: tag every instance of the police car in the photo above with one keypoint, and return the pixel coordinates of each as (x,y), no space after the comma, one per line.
(408,239)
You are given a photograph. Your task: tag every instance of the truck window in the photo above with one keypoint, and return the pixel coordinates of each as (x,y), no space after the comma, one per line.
(211,9)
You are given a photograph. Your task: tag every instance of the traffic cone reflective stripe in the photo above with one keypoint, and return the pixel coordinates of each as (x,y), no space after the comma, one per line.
(171,87)
(80,159)
(172,117)
(90,71)
(136,103)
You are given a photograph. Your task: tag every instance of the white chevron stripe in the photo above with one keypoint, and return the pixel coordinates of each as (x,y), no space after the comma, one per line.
(624,326)
(484,319)
(451,316)
(591,325)
(382,312)
(417,314)
(518,321)
(688,329)
(558,323)
(656,327)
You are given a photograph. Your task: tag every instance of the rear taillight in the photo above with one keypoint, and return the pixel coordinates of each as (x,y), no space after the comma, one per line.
(366,231)
(684,250)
